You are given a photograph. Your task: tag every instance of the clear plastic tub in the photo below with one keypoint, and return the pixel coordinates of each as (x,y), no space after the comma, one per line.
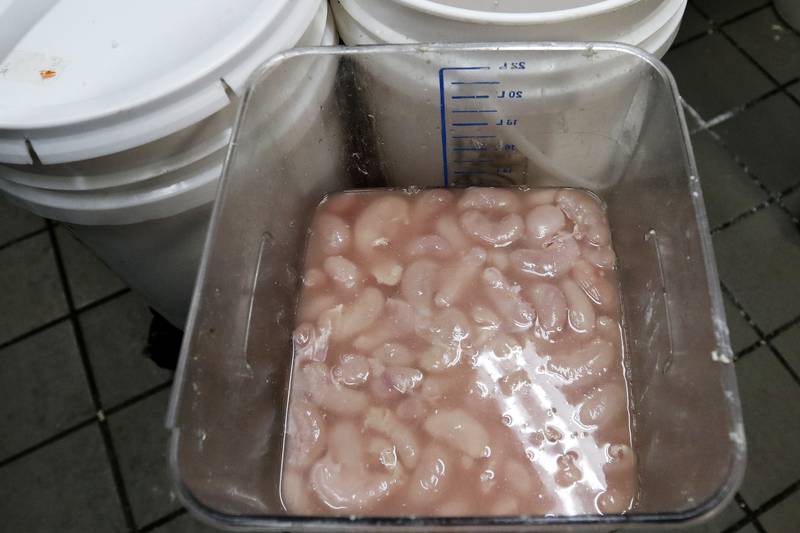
(228,408)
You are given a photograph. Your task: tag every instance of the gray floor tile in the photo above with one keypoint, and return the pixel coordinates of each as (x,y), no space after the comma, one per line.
(16,221)
(30,289)
(691,122)
(726,518)
(42,388)
(141,443)
(727,189)
(64,487)
(746,252)
(788,344)
(714,77)
(116,335)
(89,279)
(795,90)
(764,137)
(692,25)
(774,46)
(742,333)
(185,524)
(722,10)
(792,203)
(783,517)
(771,407)
(749,528)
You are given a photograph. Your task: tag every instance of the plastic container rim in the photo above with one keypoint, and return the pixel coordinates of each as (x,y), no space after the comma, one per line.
(723,349)
(514,19)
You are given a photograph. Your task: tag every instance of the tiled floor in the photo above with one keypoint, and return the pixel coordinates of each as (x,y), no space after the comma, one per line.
(82,446)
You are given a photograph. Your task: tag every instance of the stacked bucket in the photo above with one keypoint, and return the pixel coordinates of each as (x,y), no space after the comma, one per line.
(648,24)
(115,117)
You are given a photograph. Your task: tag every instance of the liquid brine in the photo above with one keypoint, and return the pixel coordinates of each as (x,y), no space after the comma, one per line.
(459,353)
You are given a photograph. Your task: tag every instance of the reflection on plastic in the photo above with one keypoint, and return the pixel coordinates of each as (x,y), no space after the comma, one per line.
(459,353)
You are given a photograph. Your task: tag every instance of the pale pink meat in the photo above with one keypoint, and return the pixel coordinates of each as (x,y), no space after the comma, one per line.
(305,435)
(455,279)
(595,285)
(432,245)
(585,366)
(599,256)
(580,310)
(333,234)
(552,261)
(419,283)
(519,314)
(353,369)
(489,199)
(459,353)
(342,271)
(499,233)
(345,321)
(544,222)
(550,305)
(587,214)
(447,227)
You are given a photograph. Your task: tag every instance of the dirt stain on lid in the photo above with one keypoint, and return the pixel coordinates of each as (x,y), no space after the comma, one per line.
(47,74)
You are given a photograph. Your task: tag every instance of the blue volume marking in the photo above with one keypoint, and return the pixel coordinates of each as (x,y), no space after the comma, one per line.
(461,124)
(474,110)
(443,115)
(443,126)
(474,82)
(469,96)
(469,149)
(474,136)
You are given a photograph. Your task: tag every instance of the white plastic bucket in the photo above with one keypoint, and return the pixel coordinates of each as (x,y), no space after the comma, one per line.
(95,90)
(173,174)
(154,159)
(159,257)
(407,21)
(413,87)
(151,231)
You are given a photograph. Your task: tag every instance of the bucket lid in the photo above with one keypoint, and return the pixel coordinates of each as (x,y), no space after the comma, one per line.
(86,78)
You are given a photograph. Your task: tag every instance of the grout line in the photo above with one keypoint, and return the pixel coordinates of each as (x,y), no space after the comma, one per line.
(49,440)
(761,335)
(77,330)
(727,115)
(782,360)
(136,399)
(99,416)
(691,39)
(744,313)
(23,237)
(778,498)
(38,329)
(767,337)
(713,26)
(163,520)
(734,18)
(772,198)
(796,32)
(30,333)
(741,216)
(751,516)
(781,86)
(719,27)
